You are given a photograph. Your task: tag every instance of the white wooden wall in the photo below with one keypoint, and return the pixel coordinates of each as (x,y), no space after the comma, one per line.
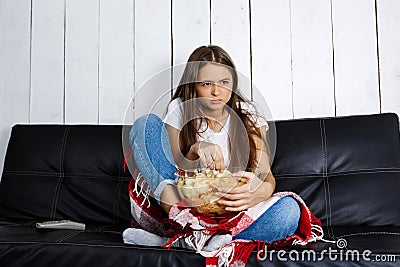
(81,61)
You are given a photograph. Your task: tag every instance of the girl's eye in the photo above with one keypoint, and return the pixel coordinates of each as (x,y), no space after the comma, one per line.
(224,82)
(207,84)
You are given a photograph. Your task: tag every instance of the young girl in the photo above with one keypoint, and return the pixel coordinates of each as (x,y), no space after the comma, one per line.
(209,124)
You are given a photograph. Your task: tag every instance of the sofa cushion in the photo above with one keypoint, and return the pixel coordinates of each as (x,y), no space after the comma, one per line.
(345,168)
(65,172)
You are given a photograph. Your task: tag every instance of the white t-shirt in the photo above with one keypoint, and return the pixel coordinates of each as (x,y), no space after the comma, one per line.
(174,118)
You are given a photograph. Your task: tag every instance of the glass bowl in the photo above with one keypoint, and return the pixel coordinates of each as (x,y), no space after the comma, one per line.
(199,189)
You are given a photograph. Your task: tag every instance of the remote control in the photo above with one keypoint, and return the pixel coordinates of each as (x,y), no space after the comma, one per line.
(63,224)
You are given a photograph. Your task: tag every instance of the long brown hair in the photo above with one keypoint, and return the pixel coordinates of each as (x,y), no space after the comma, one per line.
(242,158)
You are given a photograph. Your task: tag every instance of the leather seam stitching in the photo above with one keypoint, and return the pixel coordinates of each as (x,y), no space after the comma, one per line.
(72,234)
(371,233)
(327,179)
(323,174)
(334,174)
(73,176)
(59,182)
(91,245)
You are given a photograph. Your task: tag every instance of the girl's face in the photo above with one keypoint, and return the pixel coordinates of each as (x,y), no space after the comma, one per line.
(214,86)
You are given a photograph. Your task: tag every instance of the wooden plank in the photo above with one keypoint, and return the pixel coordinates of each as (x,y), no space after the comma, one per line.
(81,61)
(312,63)
(230,29)
(356,66)
(47,66)
(116,75)
(271,53)
(152,56)
(14,68)
(389,54)
(190,29)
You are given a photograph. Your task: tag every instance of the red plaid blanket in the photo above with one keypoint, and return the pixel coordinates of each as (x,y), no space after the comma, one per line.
(237,252)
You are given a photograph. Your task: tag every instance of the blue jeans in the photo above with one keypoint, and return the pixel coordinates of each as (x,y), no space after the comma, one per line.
(277,222)
(152,152)
(153,158)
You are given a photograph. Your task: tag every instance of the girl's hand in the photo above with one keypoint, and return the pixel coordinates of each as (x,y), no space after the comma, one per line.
(210,155)
(246,196)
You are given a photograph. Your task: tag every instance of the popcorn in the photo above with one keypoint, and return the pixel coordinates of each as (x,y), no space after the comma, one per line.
(199,188)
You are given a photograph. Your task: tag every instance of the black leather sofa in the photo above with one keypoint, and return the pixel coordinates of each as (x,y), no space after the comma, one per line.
(346,169)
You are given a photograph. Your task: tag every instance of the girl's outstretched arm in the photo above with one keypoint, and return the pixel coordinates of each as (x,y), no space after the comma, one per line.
(184,162)
(209,154)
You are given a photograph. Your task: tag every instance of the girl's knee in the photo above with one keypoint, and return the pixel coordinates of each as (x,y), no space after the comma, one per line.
(149,121)
(291,205)
(278,222)
(292,212)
